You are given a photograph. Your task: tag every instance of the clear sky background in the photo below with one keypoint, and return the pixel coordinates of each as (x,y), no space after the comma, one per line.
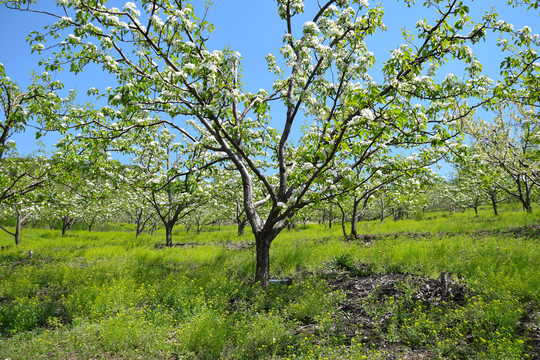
(251,27)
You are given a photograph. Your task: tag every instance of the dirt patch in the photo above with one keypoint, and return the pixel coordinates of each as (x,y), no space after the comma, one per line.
(529,328)
(355,320)
(429,291)
(244,245)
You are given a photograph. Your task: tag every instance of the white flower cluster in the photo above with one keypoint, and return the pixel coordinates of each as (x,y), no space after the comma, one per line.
(421,24)
(307,166)
(504,25)
(74,38)
(295,6)
(157,21)
(310,27)
(132,7)
(367,114)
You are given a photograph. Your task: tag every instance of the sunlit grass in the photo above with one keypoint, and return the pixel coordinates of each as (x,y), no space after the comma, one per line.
(448,222)
(111,295)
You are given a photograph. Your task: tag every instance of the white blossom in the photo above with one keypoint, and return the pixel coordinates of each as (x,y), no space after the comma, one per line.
(368,114)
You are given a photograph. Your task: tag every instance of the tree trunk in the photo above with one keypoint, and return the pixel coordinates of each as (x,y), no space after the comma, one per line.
(342,220)
(168,236)
(17,234)
(139,230)
(382,211)
(291,224)
(52,224)
(493,197)
(153,228)
(524,193)
(354,218)
(330,215)
(356,215)
(138,222)
(242,226)
(343,225)
(262,272)
(527,202)
(65,225)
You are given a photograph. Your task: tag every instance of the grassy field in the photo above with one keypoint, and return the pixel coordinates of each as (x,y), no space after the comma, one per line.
(108,295)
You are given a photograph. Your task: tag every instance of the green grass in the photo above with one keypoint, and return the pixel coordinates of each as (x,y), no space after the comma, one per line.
(109,295)
(448,222)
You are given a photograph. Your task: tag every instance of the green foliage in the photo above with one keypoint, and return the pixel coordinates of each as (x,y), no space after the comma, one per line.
(342,262)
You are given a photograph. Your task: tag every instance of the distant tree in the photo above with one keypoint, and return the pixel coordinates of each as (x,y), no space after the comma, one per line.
(60,205)
(96,205)
(479,179)
(511,143)
(36,107)
(305,215)
(396,181)
(170,176)
(21,208)
(133,205)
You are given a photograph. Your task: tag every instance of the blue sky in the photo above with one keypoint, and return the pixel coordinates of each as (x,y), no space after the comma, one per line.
(250,27)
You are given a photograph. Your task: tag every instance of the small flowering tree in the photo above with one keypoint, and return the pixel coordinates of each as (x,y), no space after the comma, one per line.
(61,204)
(398,179)
(22,209)
(333,106)
(36,107)
(478,179)
(511,143)
(133,206)
(403,195)
(96,205)
(169,175)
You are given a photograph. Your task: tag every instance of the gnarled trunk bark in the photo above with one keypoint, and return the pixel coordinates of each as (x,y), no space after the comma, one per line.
(17,234)
(242,226)
(527,200)
(262,270)
(168,236)
(356,215)
(66,224)
(493,197)
(330,215)
(342,219)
